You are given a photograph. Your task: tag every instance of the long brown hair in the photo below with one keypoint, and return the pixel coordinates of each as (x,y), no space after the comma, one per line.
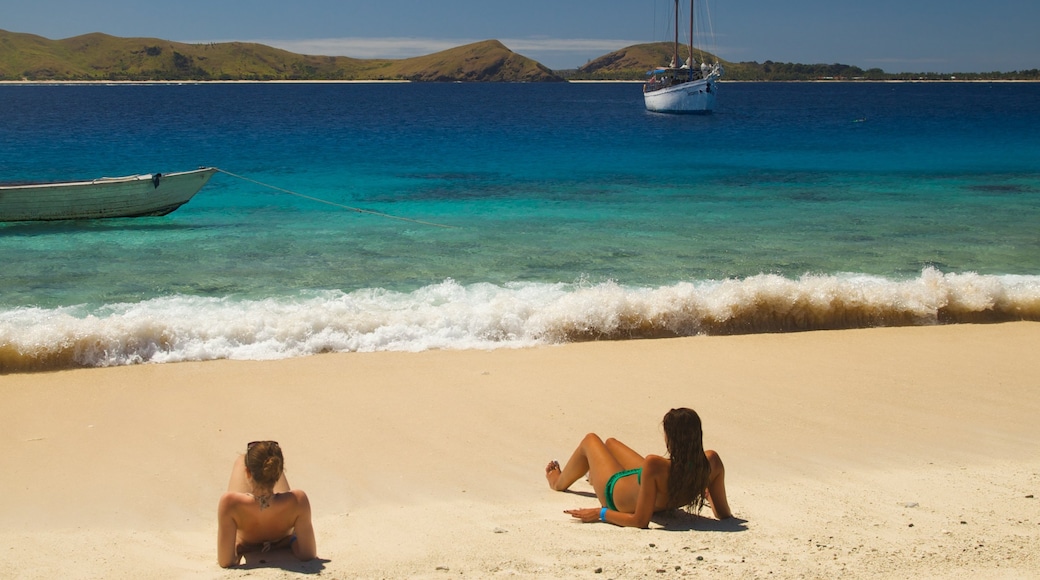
(688,477)
(265,462)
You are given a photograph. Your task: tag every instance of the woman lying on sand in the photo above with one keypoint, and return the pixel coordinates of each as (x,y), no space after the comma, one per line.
(633,487)
(259,512)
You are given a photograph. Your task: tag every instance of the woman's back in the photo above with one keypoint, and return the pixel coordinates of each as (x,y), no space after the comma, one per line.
(258,523)
(259,511)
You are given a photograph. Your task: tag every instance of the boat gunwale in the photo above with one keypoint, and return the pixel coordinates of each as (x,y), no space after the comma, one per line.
(98,180)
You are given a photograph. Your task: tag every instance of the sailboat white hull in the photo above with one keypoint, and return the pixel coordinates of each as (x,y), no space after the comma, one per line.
(683,87)
(690,97)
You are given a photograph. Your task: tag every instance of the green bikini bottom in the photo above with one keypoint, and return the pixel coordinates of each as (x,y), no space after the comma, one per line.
(638,472)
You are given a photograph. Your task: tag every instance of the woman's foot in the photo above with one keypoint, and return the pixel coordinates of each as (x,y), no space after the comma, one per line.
(552,473)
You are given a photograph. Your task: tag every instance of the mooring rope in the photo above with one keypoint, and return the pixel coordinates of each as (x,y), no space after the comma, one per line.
(332,203)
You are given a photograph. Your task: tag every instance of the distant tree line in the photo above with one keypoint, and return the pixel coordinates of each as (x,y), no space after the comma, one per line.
(787,71)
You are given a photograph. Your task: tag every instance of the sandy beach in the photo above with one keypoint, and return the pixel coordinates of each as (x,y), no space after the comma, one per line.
(882,453)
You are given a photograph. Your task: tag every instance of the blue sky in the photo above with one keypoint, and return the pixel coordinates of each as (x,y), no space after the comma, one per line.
(894,35)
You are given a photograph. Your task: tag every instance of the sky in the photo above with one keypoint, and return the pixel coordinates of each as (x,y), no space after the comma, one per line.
(939,36)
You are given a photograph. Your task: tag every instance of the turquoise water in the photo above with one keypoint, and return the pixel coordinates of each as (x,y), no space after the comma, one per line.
(575,215)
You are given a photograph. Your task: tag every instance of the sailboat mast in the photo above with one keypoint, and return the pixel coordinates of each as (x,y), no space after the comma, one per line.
(675,45)
(690,57)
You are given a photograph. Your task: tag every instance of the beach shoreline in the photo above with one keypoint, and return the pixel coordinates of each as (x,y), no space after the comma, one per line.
(406,81)
(892,452)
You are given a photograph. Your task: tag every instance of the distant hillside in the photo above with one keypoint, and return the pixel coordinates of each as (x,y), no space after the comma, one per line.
(633,62)
(100,57)
(482,61)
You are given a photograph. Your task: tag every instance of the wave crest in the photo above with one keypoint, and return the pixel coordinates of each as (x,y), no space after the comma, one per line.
(452,316)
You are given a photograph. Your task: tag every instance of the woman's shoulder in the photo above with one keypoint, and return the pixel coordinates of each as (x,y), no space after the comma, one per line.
(296,497)
(653,464)
(297,494)
(231,500)
(296,502)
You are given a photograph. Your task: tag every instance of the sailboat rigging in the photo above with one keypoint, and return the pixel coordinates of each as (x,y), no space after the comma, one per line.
(682,87)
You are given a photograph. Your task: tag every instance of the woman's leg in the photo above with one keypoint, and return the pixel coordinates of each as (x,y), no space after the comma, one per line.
(239,482)
(624,454)
(592,457)
(717,486)
(282,485)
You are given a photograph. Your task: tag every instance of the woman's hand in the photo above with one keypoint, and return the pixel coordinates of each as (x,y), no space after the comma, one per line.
(586,515)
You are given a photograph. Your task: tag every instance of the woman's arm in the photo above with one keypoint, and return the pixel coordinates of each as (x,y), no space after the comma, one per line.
(717,486)
(304,547)
(227,533)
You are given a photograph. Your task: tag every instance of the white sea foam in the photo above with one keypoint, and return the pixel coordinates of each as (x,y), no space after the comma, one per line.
(485,316)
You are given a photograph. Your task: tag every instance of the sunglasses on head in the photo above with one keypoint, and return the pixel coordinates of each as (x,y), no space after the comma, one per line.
(252,443)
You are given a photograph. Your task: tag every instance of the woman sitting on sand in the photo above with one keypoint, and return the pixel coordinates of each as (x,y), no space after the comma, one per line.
(632,487)
(259,512)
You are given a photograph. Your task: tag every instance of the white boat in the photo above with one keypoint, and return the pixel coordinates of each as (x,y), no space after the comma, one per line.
(686,87)
(151,194)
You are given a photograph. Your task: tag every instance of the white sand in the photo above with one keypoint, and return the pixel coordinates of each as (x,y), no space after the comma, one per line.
(883,453)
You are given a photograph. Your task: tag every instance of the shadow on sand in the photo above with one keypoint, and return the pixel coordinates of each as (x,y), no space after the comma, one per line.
(683,521)
(281,559)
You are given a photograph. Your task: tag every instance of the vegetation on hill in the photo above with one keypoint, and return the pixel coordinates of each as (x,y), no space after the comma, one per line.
(633,62)
(100,57)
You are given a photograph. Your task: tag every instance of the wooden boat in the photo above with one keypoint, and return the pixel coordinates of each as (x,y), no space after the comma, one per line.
(151,194)
(682,87)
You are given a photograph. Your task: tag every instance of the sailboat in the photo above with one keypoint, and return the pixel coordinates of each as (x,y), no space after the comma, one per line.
(682,87)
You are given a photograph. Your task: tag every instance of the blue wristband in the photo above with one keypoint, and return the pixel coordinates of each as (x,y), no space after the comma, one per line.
(603,514)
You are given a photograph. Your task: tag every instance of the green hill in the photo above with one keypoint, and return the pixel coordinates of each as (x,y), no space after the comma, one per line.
(633,62)
(483,61)
(100,57)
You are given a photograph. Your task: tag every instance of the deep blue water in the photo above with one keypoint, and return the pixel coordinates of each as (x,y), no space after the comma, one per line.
(576,215)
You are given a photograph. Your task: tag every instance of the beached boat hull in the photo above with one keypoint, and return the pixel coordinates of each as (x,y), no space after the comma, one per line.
(106,197)
(689,97)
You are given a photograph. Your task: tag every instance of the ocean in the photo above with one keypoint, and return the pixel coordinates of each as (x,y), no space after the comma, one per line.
(574,215)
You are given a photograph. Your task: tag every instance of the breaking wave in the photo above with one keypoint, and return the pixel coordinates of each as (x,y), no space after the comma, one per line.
(486,316)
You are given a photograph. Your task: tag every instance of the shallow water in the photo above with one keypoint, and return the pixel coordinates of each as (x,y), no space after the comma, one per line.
(576,215)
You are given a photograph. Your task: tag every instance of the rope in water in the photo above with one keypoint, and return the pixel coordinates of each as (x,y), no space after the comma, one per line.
(332,203)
